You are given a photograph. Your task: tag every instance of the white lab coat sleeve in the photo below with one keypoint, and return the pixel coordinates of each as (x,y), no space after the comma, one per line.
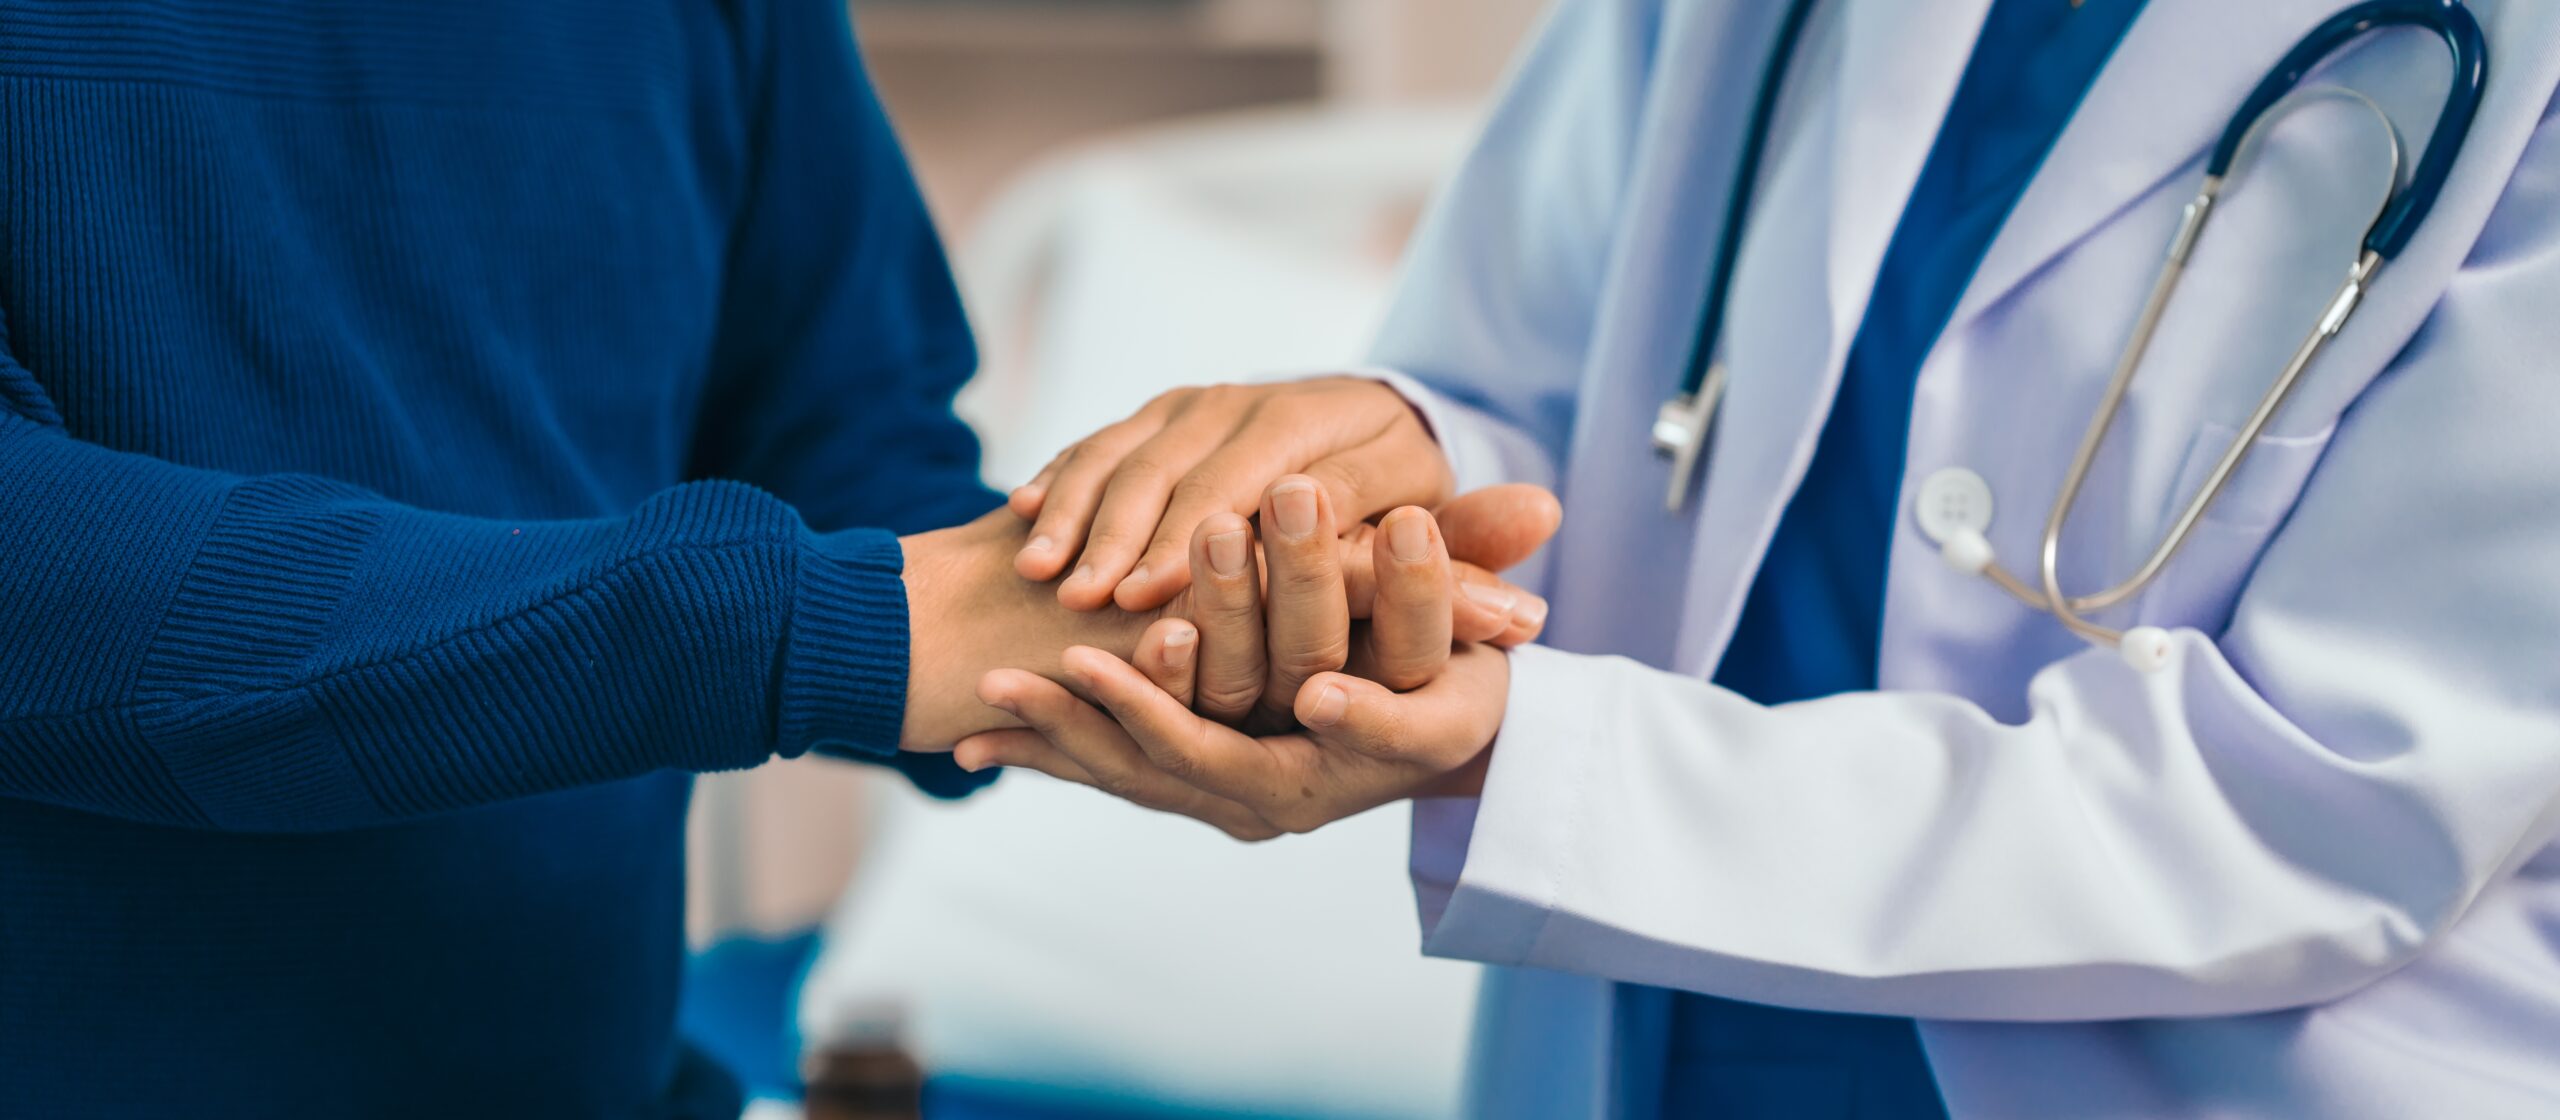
(2272,821)
(1488,334)
(1496,308)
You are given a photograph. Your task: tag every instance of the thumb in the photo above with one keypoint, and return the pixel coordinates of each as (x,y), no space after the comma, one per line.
(1355,714)
(1499,526)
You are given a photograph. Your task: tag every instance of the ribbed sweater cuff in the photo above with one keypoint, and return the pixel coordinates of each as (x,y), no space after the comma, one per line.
(844,663)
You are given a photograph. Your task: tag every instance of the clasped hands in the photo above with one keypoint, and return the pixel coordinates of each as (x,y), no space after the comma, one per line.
(1265,677)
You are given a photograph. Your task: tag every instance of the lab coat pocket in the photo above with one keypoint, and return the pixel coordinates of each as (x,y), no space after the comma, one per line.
(2202,583)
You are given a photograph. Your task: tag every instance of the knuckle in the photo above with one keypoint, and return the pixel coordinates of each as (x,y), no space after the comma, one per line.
(1202,489)
(1227,698)
(1346,476)
(1301,818)
(1304,574)
(1302,664)
(1116,781)
(1290,409)
(1404,674)
(1180,763)
(1250,832)
(1228,394)
(1141,470)
(1083,456)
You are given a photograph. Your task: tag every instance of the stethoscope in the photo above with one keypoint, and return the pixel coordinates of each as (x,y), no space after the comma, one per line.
(1681,428)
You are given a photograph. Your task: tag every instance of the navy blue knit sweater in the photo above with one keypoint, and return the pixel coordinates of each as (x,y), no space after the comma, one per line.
(365,596)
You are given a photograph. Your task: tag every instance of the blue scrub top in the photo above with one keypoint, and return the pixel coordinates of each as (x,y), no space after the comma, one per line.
(1814,619)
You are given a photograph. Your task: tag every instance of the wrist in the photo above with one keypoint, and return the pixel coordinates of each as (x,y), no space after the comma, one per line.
(969,613)
(1468,778)
(935,577)
(1465,781)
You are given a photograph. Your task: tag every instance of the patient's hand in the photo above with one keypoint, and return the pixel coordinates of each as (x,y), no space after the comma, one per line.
(969,612)
(1362,743)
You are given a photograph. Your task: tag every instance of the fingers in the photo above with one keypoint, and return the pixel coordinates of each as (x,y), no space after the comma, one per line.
(1306,618)
(1485,617)
(1499,526)
(1409,625)
(1133,508)
(1226,605)
(1024,501)
(1481,606)
(1022,749)
(1168,653)
(1087,748)
(1201,754)
(1399,468)
(1505,615)
(1439,726)
(1070,489)
(1355,437)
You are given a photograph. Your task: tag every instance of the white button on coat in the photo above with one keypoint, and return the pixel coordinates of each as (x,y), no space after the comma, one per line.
(1951,501)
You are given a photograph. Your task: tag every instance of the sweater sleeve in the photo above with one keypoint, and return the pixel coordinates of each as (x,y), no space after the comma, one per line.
(842,338)
(286,653)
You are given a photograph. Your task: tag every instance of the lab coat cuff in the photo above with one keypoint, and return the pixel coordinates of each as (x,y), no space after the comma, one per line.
(1520,833)
(1482,451)
(843,675)
(1441,826)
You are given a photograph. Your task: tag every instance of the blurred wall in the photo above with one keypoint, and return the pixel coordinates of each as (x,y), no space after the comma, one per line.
(980,89)
(1422,49)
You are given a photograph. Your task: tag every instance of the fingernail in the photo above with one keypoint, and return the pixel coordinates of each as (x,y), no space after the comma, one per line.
(1006,705)
(1178,646)
(1136,580)
(1493,599)
(1227,553)
(1084,574)
(1409,538)
(1531,612)
(1294,506)
(1040,544)
(1329,706)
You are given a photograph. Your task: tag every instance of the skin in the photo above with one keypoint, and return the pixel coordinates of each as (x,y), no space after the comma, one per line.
(972,613)
(1358,743)
(1114,512)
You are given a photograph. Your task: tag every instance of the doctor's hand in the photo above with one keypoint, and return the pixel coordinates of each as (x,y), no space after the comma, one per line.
(1261,636)
(1121,505)
(1357,743)
(969,613)
(1361,745)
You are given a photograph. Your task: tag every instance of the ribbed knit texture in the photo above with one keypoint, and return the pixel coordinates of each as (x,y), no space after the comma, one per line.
(429,432)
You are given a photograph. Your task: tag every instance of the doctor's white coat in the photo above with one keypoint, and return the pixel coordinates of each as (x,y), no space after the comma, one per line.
(2306,870)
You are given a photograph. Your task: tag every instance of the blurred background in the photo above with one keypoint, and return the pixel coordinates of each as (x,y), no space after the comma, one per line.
(1138,194)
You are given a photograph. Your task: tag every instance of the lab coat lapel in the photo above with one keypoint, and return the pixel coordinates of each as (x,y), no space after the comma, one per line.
(2159,104)
(1900,61)
(1899,68)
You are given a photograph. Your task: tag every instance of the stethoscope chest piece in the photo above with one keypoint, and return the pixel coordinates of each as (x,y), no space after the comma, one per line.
(1680,431)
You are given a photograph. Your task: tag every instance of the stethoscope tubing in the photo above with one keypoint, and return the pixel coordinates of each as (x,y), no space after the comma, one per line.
(2403,210)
